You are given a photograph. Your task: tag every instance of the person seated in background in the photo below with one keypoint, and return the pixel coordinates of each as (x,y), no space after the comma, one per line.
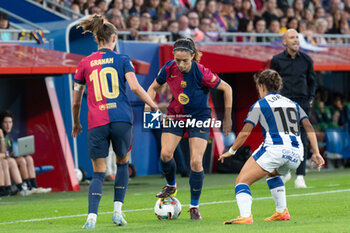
(25,163)
(4,24)
(8,166)
(340,112)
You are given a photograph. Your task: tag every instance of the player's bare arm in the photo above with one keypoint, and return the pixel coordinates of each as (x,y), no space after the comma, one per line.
(316,157)
(76,105)
(139,91)
(227,124)
(152,93)
(242,136)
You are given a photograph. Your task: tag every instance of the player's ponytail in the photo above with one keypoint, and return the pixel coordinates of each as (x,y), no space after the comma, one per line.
(102,29)
(188,45)
(270,78)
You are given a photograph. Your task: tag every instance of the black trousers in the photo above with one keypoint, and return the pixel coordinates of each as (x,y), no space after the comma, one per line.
(305,105)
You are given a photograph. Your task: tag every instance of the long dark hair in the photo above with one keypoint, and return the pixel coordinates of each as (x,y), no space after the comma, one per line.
(188,45)
(99,27)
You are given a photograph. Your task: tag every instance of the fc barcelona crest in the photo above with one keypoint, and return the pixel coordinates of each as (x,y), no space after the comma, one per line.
(183,84)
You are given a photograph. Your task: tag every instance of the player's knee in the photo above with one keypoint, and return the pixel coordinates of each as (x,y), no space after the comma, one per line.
(166,155)
(122,160)
(4,164)
(11,162)
(196,164)
(29,160)
(21,162)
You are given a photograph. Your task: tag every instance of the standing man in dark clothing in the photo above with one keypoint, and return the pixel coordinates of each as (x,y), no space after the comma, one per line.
(299,85)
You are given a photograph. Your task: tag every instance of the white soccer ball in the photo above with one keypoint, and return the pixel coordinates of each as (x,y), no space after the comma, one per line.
(79,174)
(167,208)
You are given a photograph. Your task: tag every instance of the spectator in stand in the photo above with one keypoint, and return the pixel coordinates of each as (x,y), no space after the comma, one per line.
(4,24)
(78,6)
(260,27)
(247,10)
(292,23)
(193,24)
(298,6)
(283,24)
(133,25)
(335,5)
(290,12)
(302,26)
(145,21)
(116,4)
(114,16)
(271,11)
(283,5)
(227,19)
(199,7)
(152,7)
(274,28)
(94,10)
(245,25)
(319,13)
(212,13)
(173,27)
(329,19)
(321,28)
(166,12)
(210,34)
(126,9)
(237,7)
(184,30)
(157,25)
(102,4)
(136,9)
(308,16)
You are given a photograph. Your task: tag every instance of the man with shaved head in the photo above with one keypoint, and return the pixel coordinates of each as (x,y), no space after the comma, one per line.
(299,85)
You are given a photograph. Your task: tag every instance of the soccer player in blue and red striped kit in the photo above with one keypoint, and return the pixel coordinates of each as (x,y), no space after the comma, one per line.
(189,83)
(109,119)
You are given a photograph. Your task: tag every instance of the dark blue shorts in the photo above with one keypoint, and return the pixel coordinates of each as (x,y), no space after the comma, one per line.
(193,132)
(99,139)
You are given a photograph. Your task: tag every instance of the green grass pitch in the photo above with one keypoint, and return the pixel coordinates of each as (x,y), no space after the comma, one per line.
(323,207)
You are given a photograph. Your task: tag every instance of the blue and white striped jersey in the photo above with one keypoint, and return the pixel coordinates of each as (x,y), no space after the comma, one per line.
(279,118)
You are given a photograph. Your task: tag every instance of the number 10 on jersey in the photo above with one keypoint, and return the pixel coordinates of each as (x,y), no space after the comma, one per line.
(110,90)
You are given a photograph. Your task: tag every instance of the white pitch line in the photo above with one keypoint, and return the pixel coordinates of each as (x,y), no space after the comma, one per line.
(147,209)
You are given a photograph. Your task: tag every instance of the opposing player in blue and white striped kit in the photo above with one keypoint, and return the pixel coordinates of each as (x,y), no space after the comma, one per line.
(281,150)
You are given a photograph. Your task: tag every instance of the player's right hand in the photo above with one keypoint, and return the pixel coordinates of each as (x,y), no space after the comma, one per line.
(223,156)
(76,130)
(317,158)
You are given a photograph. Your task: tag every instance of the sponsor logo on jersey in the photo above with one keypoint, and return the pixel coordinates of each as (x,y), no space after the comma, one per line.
(107,106)
(183,98)
(172,76)
(183,84)
(213,79)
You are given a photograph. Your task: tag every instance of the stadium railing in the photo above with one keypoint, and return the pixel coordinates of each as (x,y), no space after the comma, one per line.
(65,11)
(27,23)
(15,34)
(235,37)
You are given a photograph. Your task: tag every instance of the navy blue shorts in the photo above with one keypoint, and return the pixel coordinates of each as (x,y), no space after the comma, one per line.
(193,132)
(99,139)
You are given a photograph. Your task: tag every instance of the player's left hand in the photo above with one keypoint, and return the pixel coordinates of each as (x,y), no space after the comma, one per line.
(227,125)
(317,158)
(223,156)
(76,130)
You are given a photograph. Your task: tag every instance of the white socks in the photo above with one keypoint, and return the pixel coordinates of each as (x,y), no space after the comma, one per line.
(118,206)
